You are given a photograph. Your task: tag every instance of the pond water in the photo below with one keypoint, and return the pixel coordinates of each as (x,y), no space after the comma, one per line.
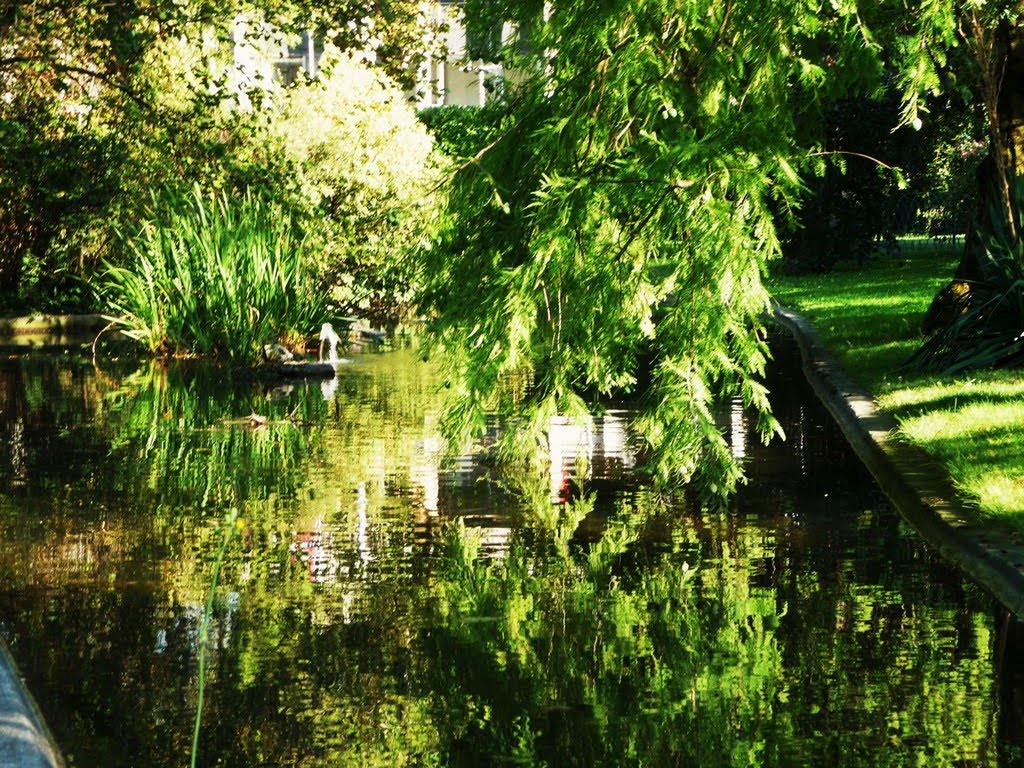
(373,609)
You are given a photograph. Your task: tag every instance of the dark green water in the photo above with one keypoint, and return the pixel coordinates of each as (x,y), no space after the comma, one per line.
(375,611)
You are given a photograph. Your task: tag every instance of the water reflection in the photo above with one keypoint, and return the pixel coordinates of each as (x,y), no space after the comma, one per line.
(582,453)
(379,609)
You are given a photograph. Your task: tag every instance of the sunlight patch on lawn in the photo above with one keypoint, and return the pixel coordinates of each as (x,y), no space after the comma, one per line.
(996,493)
(973,425)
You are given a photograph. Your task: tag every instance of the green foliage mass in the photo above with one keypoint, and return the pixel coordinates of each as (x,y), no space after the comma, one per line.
(43,199)
(365,178)
(343,157)
(60,154)
(618,229)
(101,103)
(884,177)
(461,132)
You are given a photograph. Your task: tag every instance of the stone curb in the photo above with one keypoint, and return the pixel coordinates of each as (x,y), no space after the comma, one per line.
(52,324)
(25,741)
(916,484)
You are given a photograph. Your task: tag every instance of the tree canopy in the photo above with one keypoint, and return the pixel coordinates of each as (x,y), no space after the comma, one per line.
(618,227)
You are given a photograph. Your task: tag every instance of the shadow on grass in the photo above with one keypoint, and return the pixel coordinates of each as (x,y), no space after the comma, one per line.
(991,448)
(959,400)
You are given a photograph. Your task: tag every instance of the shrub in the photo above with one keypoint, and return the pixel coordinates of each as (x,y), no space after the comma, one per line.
(55,177)
(949,187)
(367,172)
(214,275)
(461,132)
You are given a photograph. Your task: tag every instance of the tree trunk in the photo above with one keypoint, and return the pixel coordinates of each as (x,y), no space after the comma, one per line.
(12,253)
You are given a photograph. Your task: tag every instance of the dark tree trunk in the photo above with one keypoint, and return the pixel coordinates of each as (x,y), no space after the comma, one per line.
(12,254)
(1009,134)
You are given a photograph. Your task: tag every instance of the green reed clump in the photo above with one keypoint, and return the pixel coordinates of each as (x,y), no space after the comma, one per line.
(214,275)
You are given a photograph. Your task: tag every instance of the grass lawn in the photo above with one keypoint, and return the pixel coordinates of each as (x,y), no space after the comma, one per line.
(974,424)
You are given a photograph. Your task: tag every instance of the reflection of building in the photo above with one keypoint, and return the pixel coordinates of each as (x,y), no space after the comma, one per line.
(738,427)
(602,448)
(423,472)
(316,549)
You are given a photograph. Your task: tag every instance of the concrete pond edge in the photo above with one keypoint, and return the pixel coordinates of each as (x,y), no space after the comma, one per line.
(917,484)
(25,739)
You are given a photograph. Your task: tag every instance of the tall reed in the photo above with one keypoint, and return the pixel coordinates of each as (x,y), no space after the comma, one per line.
(213,275)
(228,530)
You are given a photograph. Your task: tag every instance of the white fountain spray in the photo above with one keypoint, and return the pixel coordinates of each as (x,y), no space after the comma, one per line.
(330,340)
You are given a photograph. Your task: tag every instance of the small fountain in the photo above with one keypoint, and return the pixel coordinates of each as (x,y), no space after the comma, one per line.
(330,340)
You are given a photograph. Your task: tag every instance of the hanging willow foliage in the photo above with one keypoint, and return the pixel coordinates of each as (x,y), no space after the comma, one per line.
(617,228)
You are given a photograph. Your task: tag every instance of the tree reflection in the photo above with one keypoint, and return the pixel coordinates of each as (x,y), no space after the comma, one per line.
(575,658)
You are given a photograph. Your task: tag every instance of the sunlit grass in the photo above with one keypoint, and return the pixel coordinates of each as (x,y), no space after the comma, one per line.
(973,424)
(870,315)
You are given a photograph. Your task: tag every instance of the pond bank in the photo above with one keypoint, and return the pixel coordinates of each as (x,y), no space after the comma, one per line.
(916,484)
(55,325)
(870,316)
(25,741)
